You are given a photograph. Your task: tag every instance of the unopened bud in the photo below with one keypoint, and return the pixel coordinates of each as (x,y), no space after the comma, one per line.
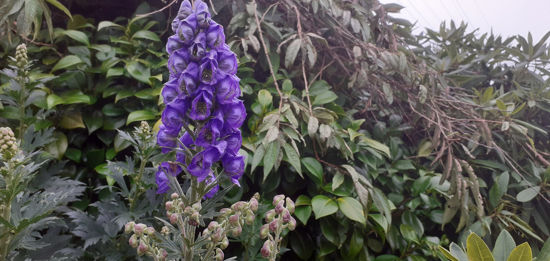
(174,195)
(266,249)
(142,249)
(129,227)
(286,215)
(188,211)
(165,230)
(269,215)
(133,241)
(273,225)
(219,255)
(238,206)
(213,225)
(249,219)
(253,204)
(264,231)
(225,243)
(174,218)
(292,224)
(290,205)
(225,211)
(194,219)
(197,206)
(279,208)
(139,228)
(168,205)
(236,231)
(150,231)
(234,220)
(278,199)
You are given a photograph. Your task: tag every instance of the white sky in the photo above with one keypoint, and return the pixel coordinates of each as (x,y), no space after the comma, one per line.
(504,17)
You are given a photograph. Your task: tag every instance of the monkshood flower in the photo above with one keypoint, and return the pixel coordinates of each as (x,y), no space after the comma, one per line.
(203,114)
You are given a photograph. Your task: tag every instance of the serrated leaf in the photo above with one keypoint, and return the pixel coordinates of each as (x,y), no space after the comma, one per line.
(352,209)
(293,157)
(323,206)
(292,51)
(66,62)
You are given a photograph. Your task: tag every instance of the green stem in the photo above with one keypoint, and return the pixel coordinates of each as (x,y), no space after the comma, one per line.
(137,181)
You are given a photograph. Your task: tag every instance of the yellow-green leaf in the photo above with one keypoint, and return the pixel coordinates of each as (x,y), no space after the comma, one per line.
(521,253)
(447,254)
(477,249)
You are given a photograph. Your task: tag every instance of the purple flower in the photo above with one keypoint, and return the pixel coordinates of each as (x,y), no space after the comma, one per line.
(177,62)
(166,139)
(197,49)
(161,177)
(228,89)
(208,69)
(234,141)
(185,32)
(185,10)
(174,43)
(201,106)
(233,165)
(173,115)
(215,36)
(227,61)
(210,133)
(201,163)
(170,90)
(234,114)
(214,190)
(203,16)
(187,81)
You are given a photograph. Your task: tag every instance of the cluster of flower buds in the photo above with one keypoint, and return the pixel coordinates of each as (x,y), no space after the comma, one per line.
(21,59)
(203,92)
(144,240)
(231,221)
(8,144)
(176,209)
(276,220)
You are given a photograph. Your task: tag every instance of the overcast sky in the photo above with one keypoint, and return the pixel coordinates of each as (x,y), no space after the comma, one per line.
(504,17)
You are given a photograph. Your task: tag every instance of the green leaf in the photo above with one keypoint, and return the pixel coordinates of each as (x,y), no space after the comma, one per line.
(105,24)
(292,51)
(61,7)
(138,71)
(258,156)
(293,157)
(270,157)
(74,154)
(521,253)
(477,250)
(302,245)
(66,62)
(323,206)
(265,98)
(337,180)
(71,97)
(93,121)
(71,120)
(544,254)
(528,194)
(312,126)
(378,146)
(77,36)
(404,165)
(146,34)
(141,115)
(381,203)
(303,213)
(457,252)
(59,145)
(352,209)
(503,246)
(324,98)
(314,168)
(356,243)
(120,143)
(408,233)
(447,254)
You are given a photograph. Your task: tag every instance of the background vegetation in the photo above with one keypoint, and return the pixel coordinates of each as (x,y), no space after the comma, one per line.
(391,144)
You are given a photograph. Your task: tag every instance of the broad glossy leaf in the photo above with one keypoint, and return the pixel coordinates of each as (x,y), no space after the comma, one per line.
(59,145)
(146,34)
(293,158)
(271,154)
(265,98)
(521,253)
(528,194)
(477,249)
(352,209)
(291,52)
(66,62)
(141,115)
(314,168)
(323,206)
(77,36)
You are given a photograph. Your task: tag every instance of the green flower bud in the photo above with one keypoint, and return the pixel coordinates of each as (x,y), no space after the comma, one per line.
(21,58)
(225,243)
(292,224)
(129,227)
(269,215)
(150,231)
(278,199)
(264,231)
(253,203)
(142,248)
(133,241)
(236,231)
(174,195)
(219,255)
(290,205)
(165,230)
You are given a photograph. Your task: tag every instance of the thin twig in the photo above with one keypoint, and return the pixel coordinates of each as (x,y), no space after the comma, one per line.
(159,10)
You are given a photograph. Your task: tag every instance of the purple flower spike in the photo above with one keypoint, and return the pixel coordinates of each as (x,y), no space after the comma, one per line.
(185,10)
(201,105)
(228,89)
(202,93)
(215,36)
(234,114)
(233,165)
